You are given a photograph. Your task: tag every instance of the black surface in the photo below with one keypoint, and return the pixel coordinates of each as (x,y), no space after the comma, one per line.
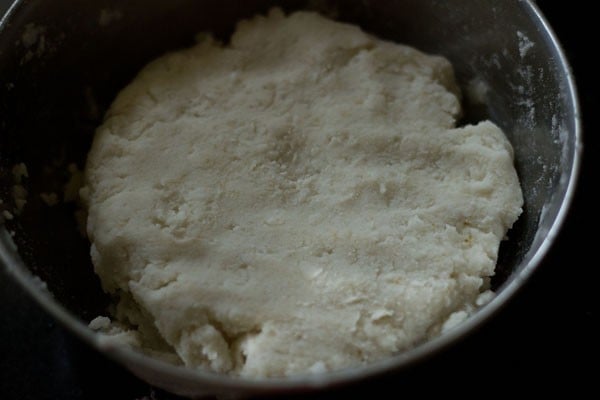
(546,338)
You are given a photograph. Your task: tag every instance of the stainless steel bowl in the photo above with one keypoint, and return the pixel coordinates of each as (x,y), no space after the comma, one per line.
(62,62)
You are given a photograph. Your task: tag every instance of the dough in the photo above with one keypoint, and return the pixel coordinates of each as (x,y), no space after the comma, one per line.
(296,201)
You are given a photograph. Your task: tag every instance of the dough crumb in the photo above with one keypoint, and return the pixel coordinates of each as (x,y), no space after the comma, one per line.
(484,298)
(51,199)
(477,91)
(454,320)
(100,323)
(34,40)
(7,215)
(108,16)
(19,171)
(72,187)
(20,197)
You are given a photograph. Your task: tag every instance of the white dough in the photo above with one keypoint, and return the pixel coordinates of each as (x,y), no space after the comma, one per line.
(296,201)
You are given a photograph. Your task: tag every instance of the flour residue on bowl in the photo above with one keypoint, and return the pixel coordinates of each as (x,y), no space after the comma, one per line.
(524,44)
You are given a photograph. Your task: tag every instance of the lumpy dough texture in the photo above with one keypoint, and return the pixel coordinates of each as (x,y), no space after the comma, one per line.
(296,201)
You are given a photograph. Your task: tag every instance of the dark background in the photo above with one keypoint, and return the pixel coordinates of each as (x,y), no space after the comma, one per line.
(544,341)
